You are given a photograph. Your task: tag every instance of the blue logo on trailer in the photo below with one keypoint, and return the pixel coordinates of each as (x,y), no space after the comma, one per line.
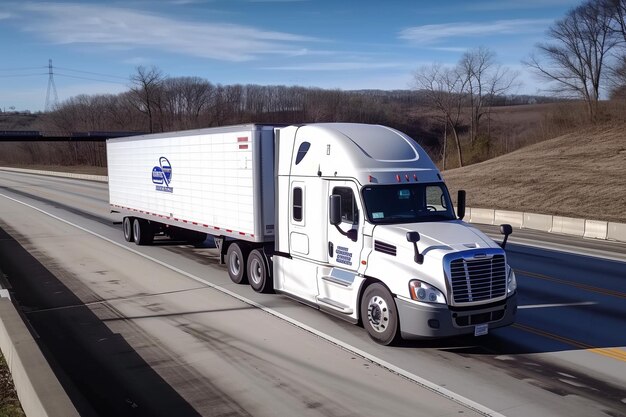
(162,175)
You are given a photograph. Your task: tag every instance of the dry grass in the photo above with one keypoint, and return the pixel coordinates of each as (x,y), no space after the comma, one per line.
(9,404)
(580,174)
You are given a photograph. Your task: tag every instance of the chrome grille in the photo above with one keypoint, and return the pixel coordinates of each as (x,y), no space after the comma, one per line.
(478,279)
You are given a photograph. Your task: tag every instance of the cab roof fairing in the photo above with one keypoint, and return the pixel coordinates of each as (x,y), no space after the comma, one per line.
(347,150)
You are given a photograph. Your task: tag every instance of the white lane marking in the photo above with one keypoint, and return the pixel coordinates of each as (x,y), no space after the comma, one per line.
(424,383)
(582,303)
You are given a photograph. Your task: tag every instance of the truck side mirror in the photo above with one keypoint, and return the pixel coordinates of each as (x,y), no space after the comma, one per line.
(414,237)
(461,204)
(506,230)
(334,209)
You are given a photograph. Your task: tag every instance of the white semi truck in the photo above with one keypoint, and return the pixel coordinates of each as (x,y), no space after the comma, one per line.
(352,219)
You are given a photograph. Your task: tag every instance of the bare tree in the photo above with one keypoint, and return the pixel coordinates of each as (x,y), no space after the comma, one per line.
(485,80)
(575,58)
(146,92)
(474,67)
(617,70)
(445,90)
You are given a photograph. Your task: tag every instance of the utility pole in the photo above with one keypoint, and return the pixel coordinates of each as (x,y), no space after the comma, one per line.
(50,104)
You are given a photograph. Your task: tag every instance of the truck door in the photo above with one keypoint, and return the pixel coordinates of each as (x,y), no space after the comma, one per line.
(339,282)
(344,252)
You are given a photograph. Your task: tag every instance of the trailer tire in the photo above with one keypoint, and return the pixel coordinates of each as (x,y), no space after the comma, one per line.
(142,232)
(379,314)
(258,272)
(236,263)
(127,226)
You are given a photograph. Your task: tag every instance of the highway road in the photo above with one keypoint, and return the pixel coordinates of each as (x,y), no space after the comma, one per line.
(162,331)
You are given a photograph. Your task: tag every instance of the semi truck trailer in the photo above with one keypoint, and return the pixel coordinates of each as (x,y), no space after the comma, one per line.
(352,219)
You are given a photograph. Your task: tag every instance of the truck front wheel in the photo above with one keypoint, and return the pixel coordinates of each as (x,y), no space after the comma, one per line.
(379,314)
(236,261)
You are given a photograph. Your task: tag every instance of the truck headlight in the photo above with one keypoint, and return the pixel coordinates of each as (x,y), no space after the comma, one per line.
(426,293)
(511,282)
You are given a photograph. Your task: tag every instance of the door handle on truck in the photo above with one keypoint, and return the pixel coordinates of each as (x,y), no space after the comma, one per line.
(331,249)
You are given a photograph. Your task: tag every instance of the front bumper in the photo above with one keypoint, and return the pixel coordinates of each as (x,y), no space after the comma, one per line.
(426,321)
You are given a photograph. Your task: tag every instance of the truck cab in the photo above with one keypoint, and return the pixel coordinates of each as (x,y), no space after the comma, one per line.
(366,230)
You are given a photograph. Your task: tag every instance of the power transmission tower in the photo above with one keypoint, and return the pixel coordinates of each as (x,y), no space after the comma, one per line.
(50,104)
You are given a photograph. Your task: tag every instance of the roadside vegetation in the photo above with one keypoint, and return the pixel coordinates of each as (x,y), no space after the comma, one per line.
(9,404)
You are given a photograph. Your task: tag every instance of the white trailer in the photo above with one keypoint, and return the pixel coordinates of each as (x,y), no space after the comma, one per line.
(351,219)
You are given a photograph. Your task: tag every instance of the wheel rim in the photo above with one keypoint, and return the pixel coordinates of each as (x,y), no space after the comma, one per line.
(136,230)
(378,313)
(256,271)
(127,228)
(235,263)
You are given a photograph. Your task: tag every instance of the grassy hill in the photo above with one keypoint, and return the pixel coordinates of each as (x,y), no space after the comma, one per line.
(581,174)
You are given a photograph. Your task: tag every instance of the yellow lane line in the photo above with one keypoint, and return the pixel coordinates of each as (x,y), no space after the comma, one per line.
(614,353)
(586,287)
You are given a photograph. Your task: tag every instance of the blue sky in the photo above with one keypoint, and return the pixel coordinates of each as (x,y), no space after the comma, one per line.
(96,45)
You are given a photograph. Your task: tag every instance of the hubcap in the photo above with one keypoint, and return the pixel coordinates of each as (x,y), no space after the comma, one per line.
(378,313)
(235,263)
(255,271)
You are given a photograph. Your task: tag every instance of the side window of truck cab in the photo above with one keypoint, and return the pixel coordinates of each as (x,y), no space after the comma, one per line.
(297,209)
(349,210)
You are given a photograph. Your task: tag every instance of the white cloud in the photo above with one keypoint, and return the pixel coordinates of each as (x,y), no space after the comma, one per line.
(335,66)
(498,5)
(430,34)
(5,15)
(125,28)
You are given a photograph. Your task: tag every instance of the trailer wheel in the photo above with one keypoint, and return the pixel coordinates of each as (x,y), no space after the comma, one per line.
(142,232)
(258,272)
(236,261)
(127,225)
(379,314)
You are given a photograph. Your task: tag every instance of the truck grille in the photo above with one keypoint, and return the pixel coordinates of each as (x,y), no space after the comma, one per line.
(478,279)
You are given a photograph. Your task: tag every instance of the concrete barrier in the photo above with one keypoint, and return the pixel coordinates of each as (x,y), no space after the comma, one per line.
(596,229)
(98,178)
(483,216)
(616,231)
(514,218)
(593,229)
(568,226)
(541,222)
(38,389)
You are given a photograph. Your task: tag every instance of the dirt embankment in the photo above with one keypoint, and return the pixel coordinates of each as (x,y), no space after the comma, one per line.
(581,174)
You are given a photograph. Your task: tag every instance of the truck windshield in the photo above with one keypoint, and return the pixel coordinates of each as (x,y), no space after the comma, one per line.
(407,203)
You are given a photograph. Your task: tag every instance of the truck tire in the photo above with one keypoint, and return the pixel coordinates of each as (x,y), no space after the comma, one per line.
(127,226)
(142,232)
(236,262)
(258,272)
(379,314)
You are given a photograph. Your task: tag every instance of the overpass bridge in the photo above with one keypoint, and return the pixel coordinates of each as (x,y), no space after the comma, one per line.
(57,136)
